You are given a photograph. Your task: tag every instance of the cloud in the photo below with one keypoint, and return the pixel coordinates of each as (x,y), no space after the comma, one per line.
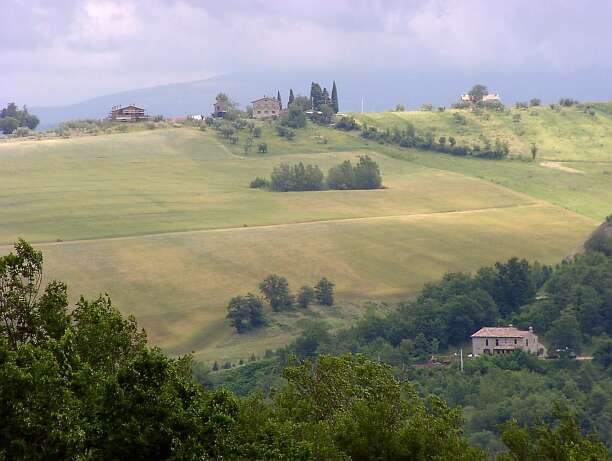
(70,49)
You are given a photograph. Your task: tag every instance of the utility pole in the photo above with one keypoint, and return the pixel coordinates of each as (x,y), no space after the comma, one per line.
(461,360)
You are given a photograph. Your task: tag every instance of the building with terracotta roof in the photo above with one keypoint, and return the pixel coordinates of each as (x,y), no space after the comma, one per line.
(501,340)
(129,113)
(266,107)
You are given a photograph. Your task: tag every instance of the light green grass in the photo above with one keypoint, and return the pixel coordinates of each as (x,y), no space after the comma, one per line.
(182,179)
(178,285)
(566,135)
(126,200)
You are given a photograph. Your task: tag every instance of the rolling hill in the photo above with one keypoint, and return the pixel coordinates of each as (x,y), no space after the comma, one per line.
(164,221)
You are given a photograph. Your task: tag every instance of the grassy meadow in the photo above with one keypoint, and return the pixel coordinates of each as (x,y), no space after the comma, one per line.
(164,221)
(568,134)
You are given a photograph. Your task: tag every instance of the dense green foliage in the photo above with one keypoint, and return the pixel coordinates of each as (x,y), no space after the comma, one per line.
(275,289)
(568,305)
(364,175)
(300,177)
(11,118)
(409,137)
(82,383)
(245,312)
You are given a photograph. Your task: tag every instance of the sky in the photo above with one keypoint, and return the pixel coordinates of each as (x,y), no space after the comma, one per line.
(56,52)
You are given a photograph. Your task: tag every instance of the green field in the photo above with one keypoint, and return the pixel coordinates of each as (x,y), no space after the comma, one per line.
(164,221)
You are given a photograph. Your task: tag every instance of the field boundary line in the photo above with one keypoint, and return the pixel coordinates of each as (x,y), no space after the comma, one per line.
(298,223)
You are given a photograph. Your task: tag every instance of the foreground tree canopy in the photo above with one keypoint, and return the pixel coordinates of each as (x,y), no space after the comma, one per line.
(82,383)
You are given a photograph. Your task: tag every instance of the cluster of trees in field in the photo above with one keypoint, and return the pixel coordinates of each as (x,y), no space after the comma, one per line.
(247,312)
(409,137)
(81,382)
(12,119)
(345,176)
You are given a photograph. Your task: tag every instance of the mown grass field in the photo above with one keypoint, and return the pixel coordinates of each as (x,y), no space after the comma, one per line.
(164,221)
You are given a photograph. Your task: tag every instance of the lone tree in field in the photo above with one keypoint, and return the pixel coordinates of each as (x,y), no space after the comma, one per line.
(306,296)
(275,289)
(324,292)
(245,312)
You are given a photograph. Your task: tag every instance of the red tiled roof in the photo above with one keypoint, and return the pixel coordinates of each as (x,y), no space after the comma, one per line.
(500,332)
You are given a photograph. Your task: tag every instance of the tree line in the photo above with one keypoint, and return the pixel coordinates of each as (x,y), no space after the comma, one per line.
(247,312)
(345,176)
(409,137)
(12,118)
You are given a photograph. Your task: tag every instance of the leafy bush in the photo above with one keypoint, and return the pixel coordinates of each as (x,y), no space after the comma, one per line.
(346,124)
(259,183)
(294,118)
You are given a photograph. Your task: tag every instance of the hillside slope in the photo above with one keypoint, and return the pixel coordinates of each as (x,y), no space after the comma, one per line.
(578,133)
(165,222)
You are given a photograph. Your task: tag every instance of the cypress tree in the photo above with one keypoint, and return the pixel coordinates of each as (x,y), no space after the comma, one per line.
(291,97)
(316,96)
(326,98)
(334,98)
(280,102)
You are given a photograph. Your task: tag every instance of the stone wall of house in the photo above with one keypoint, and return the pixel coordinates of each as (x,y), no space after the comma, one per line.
(528,343)
(266,108)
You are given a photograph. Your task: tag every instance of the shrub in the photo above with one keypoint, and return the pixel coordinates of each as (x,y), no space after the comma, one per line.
(294,118)
(346,124)
(285,132)
(259,183)
(459,119)
(22,132)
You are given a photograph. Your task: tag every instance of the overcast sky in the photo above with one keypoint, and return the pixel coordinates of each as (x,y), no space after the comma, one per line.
(63,51)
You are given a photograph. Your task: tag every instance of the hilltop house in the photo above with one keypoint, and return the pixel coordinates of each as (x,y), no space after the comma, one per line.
(487,98)
(501,340)
(266,107)
(129,113)
(220,109)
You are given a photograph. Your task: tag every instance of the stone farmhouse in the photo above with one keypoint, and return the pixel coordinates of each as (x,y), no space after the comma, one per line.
(129,113)
(266,107)
(502,340)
